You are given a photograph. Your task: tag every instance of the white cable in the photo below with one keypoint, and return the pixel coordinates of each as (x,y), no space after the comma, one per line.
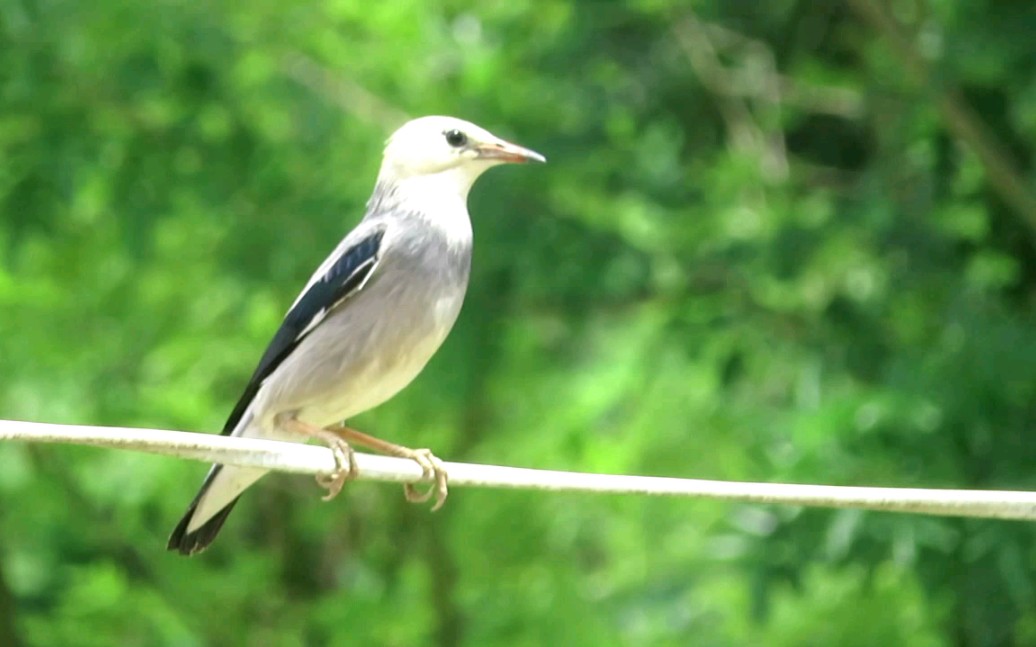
(306,459)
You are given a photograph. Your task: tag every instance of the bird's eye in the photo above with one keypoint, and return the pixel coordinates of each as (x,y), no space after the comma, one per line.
(456,138)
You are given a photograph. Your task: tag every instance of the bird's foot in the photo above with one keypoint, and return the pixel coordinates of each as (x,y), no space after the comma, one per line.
(432,468)
(345,458)
(345,468)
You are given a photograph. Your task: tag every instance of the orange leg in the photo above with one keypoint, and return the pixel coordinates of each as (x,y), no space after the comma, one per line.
(345,458)
(430,464)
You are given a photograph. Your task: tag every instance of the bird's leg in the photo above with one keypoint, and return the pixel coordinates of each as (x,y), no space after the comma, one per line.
(345,458)
(432,467)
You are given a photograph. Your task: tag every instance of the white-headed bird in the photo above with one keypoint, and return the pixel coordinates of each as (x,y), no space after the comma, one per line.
(369,319)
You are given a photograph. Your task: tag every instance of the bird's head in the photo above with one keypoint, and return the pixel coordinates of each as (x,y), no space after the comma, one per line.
(455,149)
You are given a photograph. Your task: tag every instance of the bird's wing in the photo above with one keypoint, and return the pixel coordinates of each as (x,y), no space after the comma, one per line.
(342,275)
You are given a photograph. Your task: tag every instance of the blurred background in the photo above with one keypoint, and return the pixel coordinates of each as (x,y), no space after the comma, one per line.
(784,241)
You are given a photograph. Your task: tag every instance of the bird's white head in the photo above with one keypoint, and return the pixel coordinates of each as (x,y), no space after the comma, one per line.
(449,151)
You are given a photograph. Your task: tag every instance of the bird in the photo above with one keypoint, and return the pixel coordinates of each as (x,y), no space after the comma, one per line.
(368,320)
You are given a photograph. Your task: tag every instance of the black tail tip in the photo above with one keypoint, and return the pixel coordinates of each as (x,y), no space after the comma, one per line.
(191,543)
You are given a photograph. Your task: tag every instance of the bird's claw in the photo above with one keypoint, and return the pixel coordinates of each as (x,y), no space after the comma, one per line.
(433,468)
(345,468)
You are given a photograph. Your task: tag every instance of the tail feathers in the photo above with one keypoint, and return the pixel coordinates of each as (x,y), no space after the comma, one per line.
(189,543)
(194,541)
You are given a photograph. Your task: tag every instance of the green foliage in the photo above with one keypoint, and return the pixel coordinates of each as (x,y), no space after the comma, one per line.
(768,246)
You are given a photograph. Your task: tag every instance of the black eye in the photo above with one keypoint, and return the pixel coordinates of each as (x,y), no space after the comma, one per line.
(455,138)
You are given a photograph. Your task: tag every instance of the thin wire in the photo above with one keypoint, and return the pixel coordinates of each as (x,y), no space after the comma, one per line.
(306,459)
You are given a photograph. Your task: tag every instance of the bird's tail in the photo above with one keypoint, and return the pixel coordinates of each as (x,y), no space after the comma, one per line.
(209,509)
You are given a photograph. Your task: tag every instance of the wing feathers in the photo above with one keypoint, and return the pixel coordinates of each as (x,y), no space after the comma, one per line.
(343,275)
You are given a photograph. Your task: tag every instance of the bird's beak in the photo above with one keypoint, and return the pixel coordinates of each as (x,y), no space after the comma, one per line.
(507,152)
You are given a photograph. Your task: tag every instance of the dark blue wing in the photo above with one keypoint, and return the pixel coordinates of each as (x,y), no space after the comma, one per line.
(344,277)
